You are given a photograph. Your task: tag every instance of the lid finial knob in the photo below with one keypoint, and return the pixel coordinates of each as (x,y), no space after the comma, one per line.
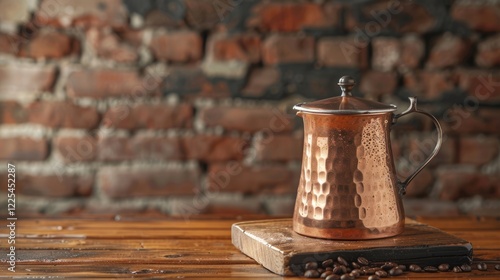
(346,83)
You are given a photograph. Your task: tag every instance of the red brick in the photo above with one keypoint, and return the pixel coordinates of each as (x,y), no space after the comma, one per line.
(210,148)
(185,79)
(376,17)
(247,119)
(18,80)
(421,185)
(149,116)
(14,11)
(23,148)
(203,14)
(50,44)
(278,148)
(288,49)
(139,148)
(78,13)
(53,185)
(292,17)
(263,82)
(63,114)
(429,85)
(133,182)
(108,45)
(488,52)
(242,47)
(75,149)
(481,85)
(412,52)
(430,208)
(465,120)
(342,52)
(419,148)
(9,44)
(158,18)
(177,46)
(103,83)
(480,15)
(386,53)
(455,183)
(12,113)
(234,177)
(448,50)
(478,150)
(376,83)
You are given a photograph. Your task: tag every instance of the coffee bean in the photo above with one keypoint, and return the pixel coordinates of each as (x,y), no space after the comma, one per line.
(311,265)
(329,268)
(326,273)
(373,277)
(402,267)
(415,268)
(356,272)
(457,269)
(370,271)
(327,263)
(332,277)
(430,269)
(311,273)
(482,266)
(395,271)
(347,277)
(388,265)
(355,265)
(444,267)
(381,273)
(342,261)
(363,261)
(466,268)
(339,270)
(497,266)
(320,270)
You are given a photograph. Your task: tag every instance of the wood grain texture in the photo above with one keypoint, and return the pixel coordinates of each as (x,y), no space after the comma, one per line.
(99,247)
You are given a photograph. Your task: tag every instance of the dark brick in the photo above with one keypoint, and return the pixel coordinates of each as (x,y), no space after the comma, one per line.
(292,17)
(186,80)
(76,149)
(12,112)
(23,148)
(50,44)
(278,148)
(278,49)
(386,53)
(412,52)
(242,47)
(448,50)
(421,185)
(234,177)
(139,148)
(210,148)
(104,83)
(429,85)
(455,183)
(18,80)
(63,114)
(133,182)
(342,52)
(9,44)
(149,116)
(477,150)
(84,14)
(376,83)
(419,148)
(177,46)
(488,52)
(263,83)
(108,45)
(482,86)
(466,120)
(246,119)
(53,186)
(206,14)
(322,83)
(480,15)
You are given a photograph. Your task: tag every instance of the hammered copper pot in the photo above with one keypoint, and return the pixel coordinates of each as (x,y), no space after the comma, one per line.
(348,186)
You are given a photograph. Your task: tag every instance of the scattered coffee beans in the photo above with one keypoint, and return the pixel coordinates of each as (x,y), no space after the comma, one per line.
(311,273)
(311,265)
(373,277)
(381,273)
(395,271)
(430,269)
(415,268)
(497,266)
(342,261)
(457,269)
(444,267)
(326,273)
(332,277)
(363,261)
(482,266)
(466,268)
(327,263)
(347,277)
(355,265)
(356,272)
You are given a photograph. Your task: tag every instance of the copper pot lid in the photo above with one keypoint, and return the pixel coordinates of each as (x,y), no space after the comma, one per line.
(346,103)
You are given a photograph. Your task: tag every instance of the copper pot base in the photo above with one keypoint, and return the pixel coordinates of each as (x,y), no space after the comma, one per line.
(348,233)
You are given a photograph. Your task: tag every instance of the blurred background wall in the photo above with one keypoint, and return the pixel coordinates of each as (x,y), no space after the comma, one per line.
(184,106)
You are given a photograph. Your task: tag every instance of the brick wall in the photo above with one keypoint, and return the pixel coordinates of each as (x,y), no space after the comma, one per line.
(184,106)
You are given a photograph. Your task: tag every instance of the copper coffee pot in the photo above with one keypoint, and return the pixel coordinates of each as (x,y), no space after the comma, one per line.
(348,186)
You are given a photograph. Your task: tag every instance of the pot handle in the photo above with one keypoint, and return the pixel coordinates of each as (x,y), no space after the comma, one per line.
(413,109)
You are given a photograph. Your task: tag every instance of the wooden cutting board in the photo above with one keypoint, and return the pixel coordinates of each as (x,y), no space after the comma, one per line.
(275,245)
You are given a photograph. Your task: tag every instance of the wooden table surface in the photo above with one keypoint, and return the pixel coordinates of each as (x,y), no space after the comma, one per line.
(137,247)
